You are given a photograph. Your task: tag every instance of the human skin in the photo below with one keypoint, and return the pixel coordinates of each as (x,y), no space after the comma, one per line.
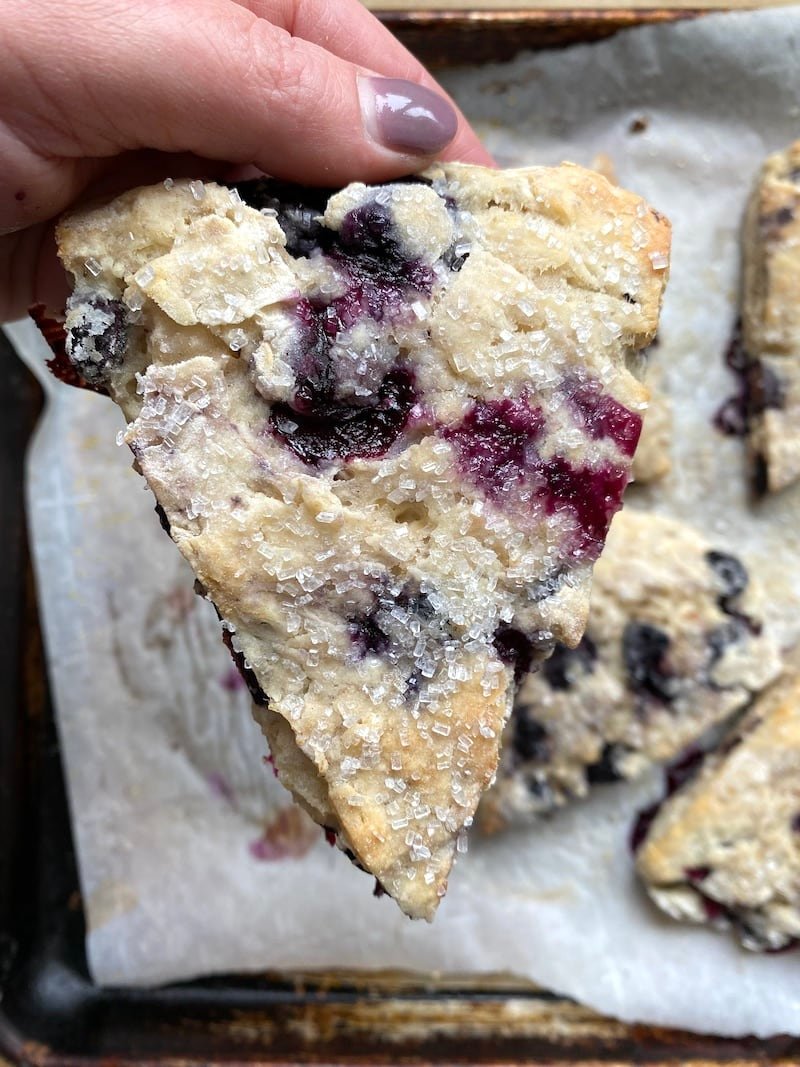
(100,95)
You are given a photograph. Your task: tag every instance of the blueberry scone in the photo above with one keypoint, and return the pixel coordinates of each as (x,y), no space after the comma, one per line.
(770,361)
(725,848)
(388,427)
(675,644)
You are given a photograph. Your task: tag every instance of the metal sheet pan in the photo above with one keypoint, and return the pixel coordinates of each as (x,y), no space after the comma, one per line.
(50,1011)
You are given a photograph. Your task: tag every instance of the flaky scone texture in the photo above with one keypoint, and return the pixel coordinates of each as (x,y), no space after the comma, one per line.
(388,428)
(771,319)
(725,848)
(675,644)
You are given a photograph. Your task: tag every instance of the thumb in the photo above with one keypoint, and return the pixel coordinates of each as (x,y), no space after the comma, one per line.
(222,84)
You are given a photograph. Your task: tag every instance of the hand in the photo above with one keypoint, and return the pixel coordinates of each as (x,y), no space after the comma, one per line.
(101,95)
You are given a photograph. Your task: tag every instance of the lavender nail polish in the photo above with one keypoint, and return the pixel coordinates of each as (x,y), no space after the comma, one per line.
(406,117)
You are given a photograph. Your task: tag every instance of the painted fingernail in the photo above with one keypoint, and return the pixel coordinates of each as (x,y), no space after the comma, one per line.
(406,117)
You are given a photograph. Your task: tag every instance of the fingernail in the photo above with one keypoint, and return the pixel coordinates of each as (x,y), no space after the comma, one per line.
(406,117)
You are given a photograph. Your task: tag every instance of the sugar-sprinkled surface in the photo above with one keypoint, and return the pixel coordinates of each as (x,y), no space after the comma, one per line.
(304,424)
(676,643)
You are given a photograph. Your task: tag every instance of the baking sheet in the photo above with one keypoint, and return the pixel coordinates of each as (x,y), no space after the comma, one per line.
(192,859)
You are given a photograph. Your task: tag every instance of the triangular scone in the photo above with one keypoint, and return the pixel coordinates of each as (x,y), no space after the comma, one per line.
(769,362)
(725,848)
(388,427)
(675,644)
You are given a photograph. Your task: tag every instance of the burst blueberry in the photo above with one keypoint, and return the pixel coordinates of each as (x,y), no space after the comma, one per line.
(644,652)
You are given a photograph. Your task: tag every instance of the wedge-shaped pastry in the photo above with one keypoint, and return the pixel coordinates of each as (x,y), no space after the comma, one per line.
(770,363)
(675,644)
(725,848)
(388,428)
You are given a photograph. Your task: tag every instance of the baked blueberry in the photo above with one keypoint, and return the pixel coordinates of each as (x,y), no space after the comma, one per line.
(561,669)
(530,739)
(97,337)
(604,770)
(326,431)
(298,209)
(498,444)
(732,574)
(645,650)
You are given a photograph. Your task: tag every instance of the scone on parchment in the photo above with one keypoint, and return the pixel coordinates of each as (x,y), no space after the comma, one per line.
(725,848)
(388,427)
(771,321)
(675,644)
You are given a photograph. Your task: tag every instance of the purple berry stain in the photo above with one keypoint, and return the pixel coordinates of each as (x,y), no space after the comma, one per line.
(386,630)
(220,786)
(605,417)
(231,681)
(59,364)
(715,912)
(369,247)
(289,834)
(696,874)
(367,635)
(732,575)
(497,446)
(594,495)
(106,349)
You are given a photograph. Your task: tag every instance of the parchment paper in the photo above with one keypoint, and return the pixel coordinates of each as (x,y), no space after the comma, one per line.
(192,859)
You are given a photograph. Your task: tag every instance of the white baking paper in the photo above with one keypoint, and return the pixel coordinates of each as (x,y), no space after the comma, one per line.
(192,859)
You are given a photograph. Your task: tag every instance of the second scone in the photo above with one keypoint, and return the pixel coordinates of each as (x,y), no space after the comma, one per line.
(675,643)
